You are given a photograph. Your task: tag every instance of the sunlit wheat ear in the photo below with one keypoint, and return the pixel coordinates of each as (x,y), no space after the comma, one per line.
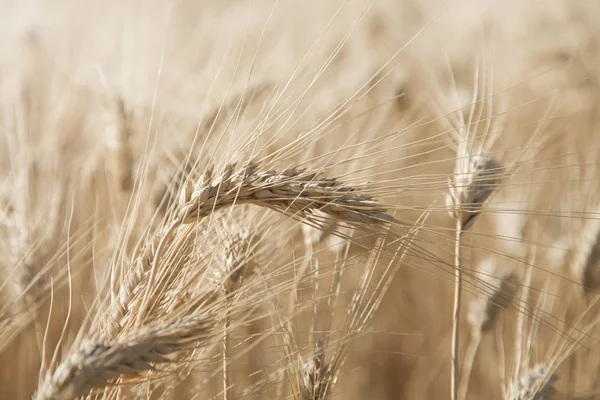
(536,384)
(316,377)
(296,192)
(118,134)
(470,189)
(98,363)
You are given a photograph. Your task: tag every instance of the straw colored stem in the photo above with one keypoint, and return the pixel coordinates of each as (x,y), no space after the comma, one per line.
(456,312)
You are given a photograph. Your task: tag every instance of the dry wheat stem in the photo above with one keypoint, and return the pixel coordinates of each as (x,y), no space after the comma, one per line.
(225,355)
(98,363)
(456,312)
(472,184)
(238,260)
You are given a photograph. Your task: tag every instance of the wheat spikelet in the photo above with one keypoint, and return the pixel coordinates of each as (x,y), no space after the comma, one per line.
(138,275)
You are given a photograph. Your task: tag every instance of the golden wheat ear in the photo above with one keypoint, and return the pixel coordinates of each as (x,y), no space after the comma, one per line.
(296,192)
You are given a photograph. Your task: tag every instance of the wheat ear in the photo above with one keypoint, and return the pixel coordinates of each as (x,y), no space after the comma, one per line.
(316,380)
(295,192)
(97,363)
(535,384)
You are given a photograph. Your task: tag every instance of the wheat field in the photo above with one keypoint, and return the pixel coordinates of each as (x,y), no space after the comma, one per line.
(311,200)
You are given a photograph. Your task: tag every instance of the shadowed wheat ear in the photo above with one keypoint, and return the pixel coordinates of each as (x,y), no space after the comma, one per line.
(535,384)
(469,188)
(237,261)
(475,177)
(589,242)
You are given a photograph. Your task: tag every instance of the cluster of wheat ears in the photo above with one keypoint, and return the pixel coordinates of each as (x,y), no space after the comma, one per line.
(306,200)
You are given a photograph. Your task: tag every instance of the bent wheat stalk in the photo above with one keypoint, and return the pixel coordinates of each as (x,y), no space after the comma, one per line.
(133,337)
(295,192)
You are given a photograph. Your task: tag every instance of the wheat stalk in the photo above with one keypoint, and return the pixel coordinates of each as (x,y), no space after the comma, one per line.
(237,265)
(482,317)
(469,188)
